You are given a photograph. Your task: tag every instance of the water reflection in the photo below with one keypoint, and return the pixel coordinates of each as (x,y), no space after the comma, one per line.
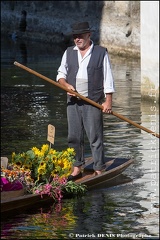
(47,223)
(114,217)
(29,104)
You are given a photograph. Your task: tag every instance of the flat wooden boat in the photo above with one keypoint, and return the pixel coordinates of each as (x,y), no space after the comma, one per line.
(11,202)
(114,167)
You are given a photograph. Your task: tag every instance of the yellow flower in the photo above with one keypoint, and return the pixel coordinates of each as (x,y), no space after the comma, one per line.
(52,151)
(71,151)
(46,161)
(36,151)
(44,148)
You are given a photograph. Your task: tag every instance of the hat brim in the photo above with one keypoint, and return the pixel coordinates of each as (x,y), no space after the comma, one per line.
(79,32)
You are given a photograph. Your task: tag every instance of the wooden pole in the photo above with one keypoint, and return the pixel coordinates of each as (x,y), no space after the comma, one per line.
(84,98)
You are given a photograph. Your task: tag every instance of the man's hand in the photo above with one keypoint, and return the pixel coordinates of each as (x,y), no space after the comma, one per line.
(63,82)
(107,105)
(70,87)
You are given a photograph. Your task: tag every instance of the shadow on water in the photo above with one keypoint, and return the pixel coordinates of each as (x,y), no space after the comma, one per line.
(29,104)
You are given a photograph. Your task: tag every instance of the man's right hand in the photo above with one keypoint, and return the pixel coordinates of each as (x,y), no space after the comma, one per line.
(63,82)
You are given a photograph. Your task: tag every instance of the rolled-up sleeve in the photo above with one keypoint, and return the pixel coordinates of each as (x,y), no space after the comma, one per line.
(62,70)
(108,76)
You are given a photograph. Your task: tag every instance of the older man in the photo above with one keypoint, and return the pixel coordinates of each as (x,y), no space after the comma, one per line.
(86,68)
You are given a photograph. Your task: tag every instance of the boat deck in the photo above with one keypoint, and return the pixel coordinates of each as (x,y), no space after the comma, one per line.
(114,167)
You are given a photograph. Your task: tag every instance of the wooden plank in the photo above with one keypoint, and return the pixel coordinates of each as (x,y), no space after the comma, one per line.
(51,133)
(23,202)
(4,162)
(114,168)
(8,195)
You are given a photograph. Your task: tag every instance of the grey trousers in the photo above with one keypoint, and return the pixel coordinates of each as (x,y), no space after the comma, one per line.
(83,117)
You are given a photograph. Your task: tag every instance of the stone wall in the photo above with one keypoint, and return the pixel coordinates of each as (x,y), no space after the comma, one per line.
(150,51)
(116,24)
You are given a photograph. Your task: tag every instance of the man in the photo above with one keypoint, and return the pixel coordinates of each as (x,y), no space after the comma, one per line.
(85,68)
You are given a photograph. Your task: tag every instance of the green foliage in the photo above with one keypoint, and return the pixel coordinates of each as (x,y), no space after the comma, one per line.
(74,188)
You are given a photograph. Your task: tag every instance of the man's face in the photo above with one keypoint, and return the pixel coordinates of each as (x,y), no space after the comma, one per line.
(82,41)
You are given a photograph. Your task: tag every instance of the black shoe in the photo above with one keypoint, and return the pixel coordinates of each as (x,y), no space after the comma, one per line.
(72,178)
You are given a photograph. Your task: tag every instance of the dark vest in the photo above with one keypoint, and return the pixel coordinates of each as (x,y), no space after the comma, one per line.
(94,69)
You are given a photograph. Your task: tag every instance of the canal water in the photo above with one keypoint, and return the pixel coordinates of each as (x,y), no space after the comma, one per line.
(130,209)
